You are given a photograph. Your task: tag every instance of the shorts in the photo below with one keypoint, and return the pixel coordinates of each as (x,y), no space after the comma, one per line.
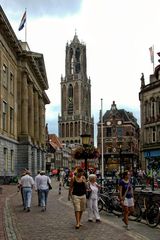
(128,202)
(79,203)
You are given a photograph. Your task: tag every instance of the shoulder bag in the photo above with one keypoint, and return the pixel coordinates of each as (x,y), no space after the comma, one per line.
(88,191)
(49,185)
(123,197)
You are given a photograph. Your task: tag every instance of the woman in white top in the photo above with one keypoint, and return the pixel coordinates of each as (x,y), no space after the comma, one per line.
(93,199)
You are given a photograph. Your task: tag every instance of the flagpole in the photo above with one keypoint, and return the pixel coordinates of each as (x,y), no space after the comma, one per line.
(26,26)
(102,160)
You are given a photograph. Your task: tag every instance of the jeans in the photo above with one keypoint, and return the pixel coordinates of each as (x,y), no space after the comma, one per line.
(43,197)
(39,197)
(27,194)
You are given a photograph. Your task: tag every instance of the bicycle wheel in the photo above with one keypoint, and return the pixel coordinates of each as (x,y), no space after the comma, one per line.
(135,216)
(153,215)
(100,205)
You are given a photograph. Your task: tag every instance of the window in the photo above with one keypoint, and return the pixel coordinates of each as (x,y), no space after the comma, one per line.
(12,160)
(5,152)
(108,132)
(119,132)
(153,108)
(153,134)
(11,120)
(158,107)
(4,116)
(5,76)
(11,83)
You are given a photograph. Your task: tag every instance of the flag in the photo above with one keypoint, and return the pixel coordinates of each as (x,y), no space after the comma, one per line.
(23,20)
(158,54)
(151,49)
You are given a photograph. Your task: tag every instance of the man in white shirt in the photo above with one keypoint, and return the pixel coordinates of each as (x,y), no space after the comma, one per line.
(27,183)
(37,188)
(44,189)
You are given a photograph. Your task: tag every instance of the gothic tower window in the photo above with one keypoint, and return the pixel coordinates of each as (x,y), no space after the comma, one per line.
(71,130)
(67,130)
(63,130)
(76,129)
(70,99)
(77,55)
(71,61)
(76,97)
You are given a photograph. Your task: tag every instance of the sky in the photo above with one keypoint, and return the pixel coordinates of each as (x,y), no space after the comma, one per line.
(117,34)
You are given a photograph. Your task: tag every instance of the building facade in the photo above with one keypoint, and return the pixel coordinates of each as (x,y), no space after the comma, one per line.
(149,97)
(23,82)
(75,118)
(120,139)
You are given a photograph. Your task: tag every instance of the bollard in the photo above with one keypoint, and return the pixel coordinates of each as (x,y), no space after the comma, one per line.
(152,183)
(60,188)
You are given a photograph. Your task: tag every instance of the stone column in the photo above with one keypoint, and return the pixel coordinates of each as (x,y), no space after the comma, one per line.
(24,113)
(36,116)
(30,110)
(41,121)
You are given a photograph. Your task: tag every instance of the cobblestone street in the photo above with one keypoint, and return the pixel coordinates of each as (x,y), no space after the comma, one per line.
(57,222)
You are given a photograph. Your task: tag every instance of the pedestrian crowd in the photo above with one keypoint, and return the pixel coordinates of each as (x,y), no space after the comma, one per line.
(83,191)
(41,184)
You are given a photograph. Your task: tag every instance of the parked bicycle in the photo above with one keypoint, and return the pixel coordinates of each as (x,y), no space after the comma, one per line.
(108,185)
(6,180)
(146,208)
(110,203)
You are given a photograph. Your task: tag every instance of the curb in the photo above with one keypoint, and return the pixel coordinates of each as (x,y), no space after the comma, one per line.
(11,230)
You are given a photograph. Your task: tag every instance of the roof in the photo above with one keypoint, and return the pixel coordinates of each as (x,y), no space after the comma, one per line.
(121,114)
(54,141)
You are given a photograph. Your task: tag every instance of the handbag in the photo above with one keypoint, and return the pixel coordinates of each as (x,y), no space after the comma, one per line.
(49,186)
(88,192)
(122,201)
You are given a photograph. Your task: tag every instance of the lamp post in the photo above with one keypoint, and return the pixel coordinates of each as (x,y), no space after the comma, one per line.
(120,158)
(85,141)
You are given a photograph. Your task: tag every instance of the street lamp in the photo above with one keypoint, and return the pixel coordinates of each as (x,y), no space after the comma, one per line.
(120,158)
(85,141)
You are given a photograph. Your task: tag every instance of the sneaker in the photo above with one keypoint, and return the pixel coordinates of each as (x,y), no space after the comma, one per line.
(28,209)
(98,220)
(90,220)
(128,227)
(43,209)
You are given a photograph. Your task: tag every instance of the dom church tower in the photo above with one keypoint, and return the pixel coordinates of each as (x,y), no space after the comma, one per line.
(75,116)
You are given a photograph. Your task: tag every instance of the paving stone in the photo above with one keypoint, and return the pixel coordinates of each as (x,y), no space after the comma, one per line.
(57,223)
